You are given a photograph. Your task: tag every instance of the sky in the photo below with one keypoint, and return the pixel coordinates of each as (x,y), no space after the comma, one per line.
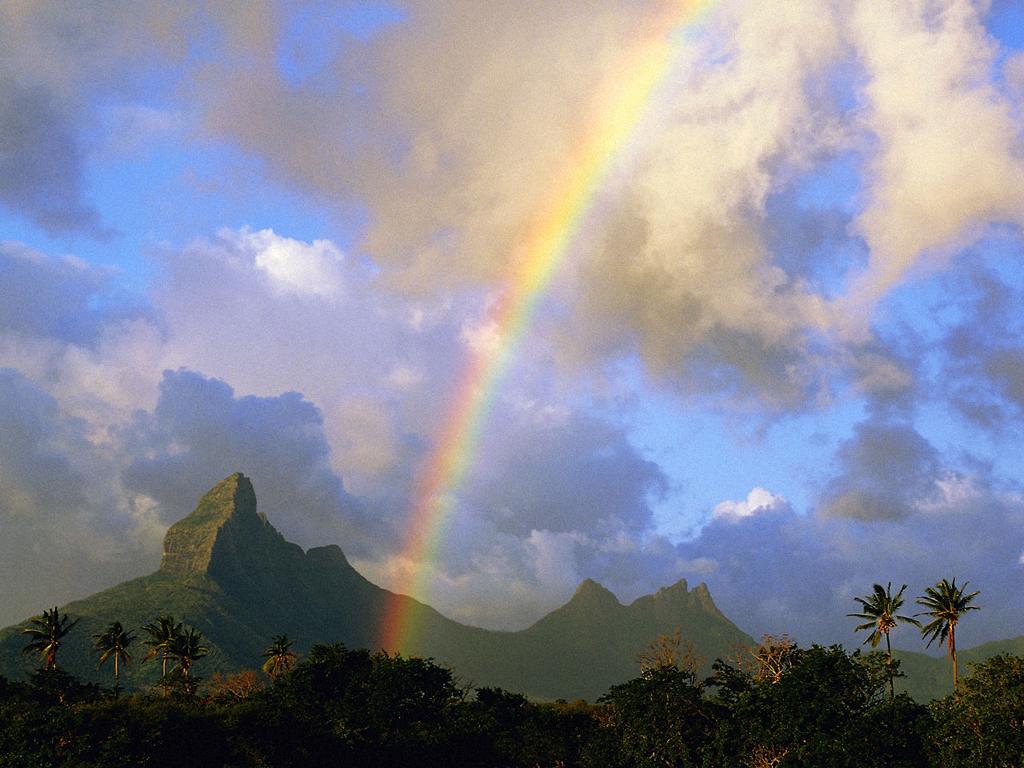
(780,350)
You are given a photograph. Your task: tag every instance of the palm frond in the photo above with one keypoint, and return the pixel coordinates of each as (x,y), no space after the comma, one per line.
(945,603)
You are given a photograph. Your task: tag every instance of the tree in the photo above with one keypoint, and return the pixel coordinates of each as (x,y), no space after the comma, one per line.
(658,719)
(881,618)
(818,711)
(670,652)
(46,633)
(162,632)
(279,656)
(186,647)
(114,644)
(981,725)
(769,660)
(234,687)
(946,603)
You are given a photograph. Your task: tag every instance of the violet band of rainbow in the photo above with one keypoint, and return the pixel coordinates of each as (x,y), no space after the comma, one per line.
(619,109)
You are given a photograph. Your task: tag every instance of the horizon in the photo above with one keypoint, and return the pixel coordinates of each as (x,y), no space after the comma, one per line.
(772,345)
(938,651)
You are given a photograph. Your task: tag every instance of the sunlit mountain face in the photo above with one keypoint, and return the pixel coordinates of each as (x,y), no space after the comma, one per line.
(503,297)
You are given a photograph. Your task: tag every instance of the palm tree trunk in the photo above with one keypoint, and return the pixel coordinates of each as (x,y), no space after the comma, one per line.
(163,680)
(117,677)
(892,688)
(952,651)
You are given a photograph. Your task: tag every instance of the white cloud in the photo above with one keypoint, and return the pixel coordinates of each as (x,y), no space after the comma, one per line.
(948,158)
(484,339)
(758,500)
(293,266)
(450,147)
(780,571)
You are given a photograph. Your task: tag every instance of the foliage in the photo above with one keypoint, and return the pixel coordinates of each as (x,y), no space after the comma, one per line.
(113,643)
(983,724)
(45,635)
(279,656)
(811,714)
(822,708)
(660,718)
(946,603)
(185,648)
(226,689)
(768,660)
(880,611)
(504,728)
(55,686)
(162,632)
(670,651)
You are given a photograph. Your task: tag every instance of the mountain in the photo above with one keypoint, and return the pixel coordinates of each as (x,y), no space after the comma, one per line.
(226,571)
(930,677)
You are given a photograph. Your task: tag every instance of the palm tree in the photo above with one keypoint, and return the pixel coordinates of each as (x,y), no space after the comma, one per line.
(946,602)
(114,643)
(186,648)
(46,632)
(162,632)
(879,610)
(279,656)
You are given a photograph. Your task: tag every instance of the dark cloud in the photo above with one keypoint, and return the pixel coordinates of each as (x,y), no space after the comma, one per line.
(743,368)
(886,468)
(1005,369)
(37,474)
(560,471)
(62,64)
(64,299)
(63,530)
(200,432)
(42,163)
(887,377)
(983,363)
(780,571)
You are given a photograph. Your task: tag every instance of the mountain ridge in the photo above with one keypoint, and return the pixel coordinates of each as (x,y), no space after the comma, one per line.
(227,571)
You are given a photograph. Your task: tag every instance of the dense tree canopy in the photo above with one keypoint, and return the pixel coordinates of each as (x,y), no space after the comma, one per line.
(343,707)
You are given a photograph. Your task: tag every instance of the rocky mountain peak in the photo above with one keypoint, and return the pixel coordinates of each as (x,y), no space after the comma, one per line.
(678,590)
(226,511)
(589,592)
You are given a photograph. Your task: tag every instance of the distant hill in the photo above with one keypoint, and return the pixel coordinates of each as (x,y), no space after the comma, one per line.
(930,677)
(229,573)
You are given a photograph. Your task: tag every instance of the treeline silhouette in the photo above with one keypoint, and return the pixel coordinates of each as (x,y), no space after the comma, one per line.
(775,705)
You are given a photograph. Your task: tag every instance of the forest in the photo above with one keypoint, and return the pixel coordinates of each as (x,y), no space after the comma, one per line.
(774,705)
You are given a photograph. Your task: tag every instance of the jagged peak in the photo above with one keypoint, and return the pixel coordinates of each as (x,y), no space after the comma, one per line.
(234,495)
(590,591)
(679,588)
(189,543)
(329,555)
(703,595)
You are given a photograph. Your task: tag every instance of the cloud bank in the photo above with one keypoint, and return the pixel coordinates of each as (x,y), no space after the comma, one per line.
(818,221)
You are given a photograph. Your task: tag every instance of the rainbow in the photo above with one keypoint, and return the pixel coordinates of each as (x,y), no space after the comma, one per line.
(617,113)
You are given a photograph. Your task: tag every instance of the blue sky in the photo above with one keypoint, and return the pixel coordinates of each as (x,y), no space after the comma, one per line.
(263,239)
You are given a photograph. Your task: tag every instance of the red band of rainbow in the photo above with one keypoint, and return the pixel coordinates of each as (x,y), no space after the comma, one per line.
(618,111)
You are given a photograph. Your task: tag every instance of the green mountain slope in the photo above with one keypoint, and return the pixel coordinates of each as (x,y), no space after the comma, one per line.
(228,572)
(931,677)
